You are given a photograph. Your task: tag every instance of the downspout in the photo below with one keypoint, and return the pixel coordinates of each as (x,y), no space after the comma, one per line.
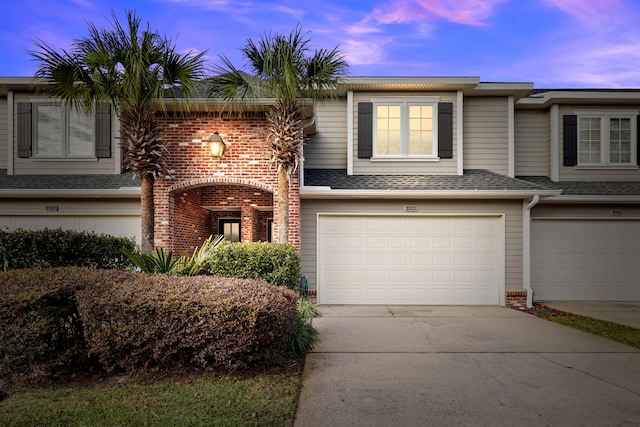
(511,137)
(350,141)
(10,133)
(526,250)
(460,131)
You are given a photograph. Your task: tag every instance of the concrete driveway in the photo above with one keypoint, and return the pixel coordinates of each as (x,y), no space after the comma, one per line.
(491,366)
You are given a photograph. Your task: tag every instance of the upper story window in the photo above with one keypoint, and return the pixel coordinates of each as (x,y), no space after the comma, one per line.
(405,128)
(58,131)
(62,131)
(606,139)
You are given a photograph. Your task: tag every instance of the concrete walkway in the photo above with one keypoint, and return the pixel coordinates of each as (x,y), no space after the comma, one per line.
(623,313)
(480,366)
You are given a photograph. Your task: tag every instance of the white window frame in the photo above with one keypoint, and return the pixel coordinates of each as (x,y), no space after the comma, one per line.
(65,128)
(405,103)
(605,134)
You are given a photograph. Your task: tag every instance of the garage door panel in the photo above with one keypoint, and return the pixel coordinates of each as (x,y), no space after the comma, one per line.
(398,276)
(464,277)
(418,276)
(441,242)
(421,296)
(409,260)
(114,225)
(463,260)
(486,242)
(398,259)
(440,259)
(441,277)
(585,259)
(375,242)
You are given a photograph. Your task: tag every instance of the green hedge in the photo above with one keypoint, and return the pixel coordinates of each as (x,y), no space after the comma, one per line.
(40,327)
(278,264)
(62,248)
(156,321)
(69,318)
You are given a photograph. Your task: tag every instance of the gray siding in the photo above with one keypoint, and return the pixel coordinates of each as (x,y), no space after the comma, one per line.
(4,145)
(486,134)
(327,149)
(532,144)
(369,166)
(577,173)
(511,209)
(30,166)
(580,211)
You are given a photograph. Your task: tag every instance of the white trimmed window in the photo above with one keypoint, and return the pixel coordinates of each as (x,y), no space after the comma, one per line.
(62,132)
(606,139)
(405,128)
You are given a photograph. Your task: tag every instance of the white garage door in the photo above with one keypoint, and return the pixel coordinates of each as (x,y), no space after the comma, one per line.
(585,260)
(114,225)
(410,259)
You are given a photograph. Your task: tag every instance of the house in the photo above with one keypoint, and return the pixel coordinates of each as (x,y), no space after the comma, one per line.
(414,190)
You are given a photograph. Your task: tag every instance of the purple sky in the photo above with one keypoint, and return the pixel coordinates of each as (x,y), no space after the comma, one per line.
(552,43)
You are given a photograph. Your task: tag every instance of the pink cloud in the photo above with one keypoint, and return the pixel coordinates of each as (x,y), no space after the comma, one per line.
(361,28)
(358,52)
(591,11)
(466,12)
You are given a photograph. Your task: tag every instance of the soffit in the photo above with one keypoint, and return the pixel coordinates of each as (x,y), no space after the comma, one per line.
(470,86)
(20,84)
(544,99)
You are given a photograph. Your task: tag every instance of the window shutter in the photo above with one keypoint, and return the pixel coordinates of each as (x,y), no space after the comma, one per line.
(103,130)
(638,140)
(365,130)
(24,129)
(445,130)
(570,139)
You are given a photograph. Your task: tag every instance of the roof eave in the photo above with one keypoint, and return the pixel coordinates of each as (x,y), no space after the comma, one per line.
(546,99)
(20,84)
(308,192)
(120,193)
(592,199)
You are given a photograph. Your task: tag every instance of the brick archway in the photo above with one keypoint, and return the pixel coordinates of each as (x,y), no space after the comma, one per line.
(194,172)
(200,209)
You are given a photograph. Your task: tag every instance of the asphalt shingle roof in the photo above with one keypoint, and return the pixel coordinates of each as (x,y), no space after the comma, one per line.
(472,179)
(337,179)
(67,182)
(588,188)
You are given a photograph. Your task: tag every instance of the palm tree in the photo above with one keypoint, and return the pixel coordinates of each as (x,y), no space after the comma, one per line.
(133,69)
(282,67)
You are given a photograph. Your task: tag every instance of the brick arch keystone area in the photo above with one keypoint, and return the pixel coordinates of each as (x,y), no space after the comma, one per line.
(187,221)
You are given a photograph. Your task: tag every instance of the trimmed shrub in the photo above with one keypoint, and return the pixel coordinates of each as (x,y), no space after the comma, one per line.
(154,321)
(278,264)
(62,248)
(40,328)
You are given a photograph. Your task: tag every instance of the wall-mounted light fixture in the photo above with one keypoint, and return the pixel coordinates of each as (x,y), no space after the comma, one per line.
(216,145)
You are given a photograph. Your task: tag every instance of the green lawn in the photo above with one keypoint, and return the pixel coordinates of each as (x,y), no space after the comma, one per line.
(614,331)
(620,333)
(259,399)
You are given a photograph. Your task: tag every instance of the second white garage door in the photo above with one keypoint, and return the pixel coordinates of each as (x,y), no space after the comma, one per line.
(370,259)
(583,259)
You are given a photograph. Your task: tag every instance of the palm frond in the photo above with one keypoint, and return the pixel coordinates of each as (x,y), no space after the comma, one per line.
(280,66)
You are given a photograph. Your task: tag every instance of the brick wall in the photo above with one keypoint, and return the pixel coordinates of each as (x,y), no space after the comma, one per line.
(515,299)
(190,221)
(199,180)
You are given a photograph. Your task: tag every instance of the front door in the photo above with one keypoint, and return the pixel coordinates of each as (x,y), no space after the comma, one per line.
(230,229)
